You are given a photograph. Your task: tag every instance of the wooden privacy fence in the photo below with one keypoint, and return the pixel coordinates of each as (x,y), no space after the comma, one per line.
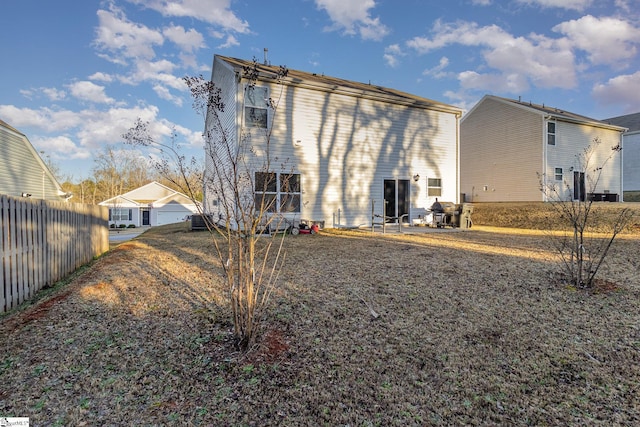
(42,241)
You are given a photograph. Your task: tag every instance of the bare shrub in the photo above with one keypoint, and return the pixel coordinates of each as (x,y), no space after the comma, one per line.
(236,178)
(582,252)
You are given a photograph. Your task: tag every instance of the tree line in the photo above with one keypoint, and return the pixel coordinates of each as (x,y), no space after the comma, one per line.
(116,172)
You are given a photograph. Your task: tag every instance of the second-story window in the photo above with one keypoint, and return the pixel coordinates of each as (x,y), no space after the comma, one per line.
(256,106)
(551,133)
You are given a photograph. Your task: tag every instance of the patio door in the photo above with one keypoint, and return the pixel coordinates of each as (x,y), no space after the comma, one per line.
(579,189)
(396,199)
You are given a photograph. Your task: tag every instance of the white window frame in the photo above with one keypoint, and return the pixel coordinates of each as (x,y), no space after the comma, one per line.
(117,214)
(434,187)
(558,174)
(551,136)
(254,102)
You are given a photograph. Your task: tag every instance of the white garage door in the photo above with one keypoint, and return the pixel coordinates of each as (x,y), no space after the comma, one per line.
(171,217)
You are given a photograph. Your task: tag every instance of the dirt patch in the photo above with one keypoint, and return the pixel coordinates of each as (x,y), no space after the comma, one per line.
(43,308)
(470,327)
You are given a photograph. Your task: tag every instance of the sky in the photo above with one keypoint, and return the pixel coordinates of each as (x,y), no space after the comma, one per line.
(77,74)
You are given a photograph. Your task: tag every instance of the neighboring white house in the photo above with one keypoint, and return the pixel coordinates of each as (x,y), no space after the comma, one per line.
(344,144)
(507,146)
(150,205)
(630,150)
(22,171)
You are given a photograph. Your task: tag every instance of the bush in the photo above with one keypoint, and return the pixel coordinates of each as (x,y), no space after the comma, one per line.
(112,226)
(122,226)
(131,226)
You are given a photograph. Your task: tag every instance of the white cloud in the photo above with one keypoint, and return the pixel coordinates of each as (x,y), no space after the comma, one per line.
(164,93)
(54,94)
(47,119)
(122,39)
(91,128)
(391,54)
(578,5)
(89,91)
(188,60)
(606,40)
(438,70)
(101,128)
(229,42)
(512,83)
(545,62)
(481,2)
(187,40)
(51,93)
(621,90)
(62,147)
(215,12)
(353,17)
(461,32)
(101,77)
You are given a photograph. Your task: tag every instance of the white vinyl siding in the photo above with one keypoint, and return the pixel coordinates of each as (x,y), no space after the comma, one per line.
(434,187)
(216,159)
(22,171)
(344,147)
(572,139)
(631,153)
(501,153)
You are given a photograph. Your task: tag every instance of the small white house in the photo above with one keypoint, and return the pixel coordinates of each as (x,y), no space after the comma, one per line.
(150,205)
(630,151)
(352,150)
(23,173)
(509,148)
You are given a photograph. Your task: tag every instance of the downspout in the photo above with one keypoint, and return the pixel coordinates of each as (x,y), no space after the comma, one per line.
(545,159)
(458,158)
(621,166)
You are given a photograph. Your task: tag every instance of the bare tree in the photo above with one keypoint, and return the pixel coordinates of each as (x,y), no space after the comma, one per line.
(236,180)
(118,171)
(581,252)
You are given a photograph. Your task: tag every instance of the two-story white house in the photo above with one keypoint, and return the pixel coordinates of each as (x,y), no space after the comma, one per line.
(351,151)
(510,149)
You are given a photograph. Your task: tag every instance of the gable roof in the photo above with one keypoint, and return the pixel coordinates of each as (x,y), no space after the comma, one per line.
(151,193)
(630,121)
(551,112)
(330,84)
(122,202)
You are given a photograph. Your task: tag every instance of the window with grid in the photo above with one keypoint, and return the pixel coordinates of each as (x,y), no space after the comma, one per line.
(558,174)
(551,133)
(434,187)
(256,106)
(120,214)
(277,192)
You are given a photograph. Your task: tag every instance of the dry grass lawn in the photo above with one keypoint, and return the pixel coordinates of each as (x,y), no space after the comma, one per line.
(473,327)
